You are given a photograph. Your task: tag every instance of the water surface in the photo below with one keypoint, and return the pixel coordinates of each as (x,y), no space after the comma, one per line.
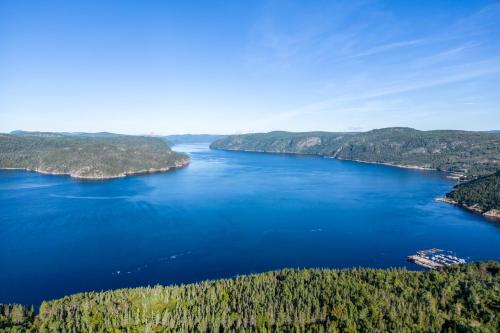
(228,213)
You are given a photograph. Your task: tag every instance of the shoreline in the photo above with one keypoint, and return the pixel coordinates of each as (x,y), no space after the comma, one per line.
(493,214)
(403,166)
(451,174)
(182,164)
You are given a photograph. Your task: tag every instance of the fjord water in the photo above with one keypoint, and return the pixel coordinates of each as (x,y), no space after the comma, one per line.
(228,213)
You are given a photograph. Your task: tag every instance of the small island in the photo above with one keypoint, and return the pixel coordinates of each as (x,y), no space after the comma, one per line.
(91,157)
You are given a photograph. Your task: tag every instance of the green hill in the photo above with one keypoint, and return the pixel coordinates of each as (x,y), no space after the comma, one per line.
(87,157)
(467,153)
(456,299)
(481,194)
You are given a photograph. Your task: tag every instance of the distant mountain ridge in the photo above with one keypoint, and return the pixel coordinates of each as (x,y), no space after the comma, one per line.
(87,134)
(192,138)
(100,156)
(173,139)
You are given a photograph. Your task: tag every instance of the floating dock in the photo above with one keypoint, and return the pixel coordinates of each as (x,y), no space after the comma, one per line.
(434,258)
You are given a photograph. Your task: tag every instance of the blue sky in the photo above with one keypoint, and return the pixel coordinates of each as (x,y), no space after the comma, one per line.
(168,67)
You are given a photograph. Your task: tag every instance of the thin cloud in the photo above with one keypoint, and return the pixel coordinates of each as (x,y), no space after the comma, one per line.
(388,47)
(459,74)
(313,36)
(446,54)
(425,71)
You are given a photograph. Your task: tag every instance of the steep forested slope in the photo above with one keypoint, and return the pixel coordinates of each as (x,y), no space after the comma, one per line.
(481,194)
(89,157)
(456,299)
(468,153)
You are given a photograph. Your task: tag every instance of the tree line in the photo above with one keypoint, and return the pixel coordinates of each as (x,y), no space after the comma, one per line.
(463,298)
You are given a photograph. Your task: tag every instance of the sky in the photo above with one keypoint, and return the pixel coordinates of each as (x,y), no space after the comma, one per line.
(172,67)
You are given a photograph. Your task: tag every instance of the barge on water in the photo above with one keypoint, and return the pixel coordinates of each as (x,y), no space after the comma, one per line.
(434,258)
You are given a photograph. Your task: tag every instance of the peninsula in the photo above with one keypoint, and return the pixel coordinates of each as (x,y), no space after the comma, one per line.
(481,195)
(87,156)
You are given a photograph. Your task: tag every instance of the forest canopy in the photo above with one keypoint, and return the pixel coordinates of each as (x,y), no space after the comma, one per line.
(98,156)
(455,299)
(484,192)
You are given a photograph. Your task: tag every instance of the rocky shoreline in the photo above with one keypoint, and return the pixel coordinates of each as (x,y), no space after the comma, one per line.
(177,165)
(493,214)
(404,166)
(451,175)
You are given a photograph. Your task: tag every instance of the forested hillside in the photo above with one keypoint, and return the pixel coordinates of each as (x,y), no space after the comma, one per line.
(468,153)
(89,157)
(482,194)
(456,299)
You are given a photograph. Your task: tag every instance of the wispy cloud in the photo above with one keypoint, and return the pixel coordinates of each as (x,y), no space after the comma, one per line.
(359,83)
(309,36)
(376,65)
(446,55)
(356,102)
(388,47)
(480,22)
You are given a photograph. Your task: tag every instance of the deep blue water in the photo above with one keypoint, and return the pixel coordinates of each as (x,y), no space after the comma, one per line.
(228,213)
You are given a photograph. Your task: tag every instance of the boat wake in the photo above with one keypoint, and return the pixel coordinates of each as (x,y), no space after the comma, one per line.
(90,197)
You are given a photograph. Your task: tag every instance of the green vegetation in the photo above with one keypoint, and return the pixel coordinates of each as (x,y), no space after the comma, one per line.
(456,299)
(482,193)
(468,153)
(84,156)
(16,318)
